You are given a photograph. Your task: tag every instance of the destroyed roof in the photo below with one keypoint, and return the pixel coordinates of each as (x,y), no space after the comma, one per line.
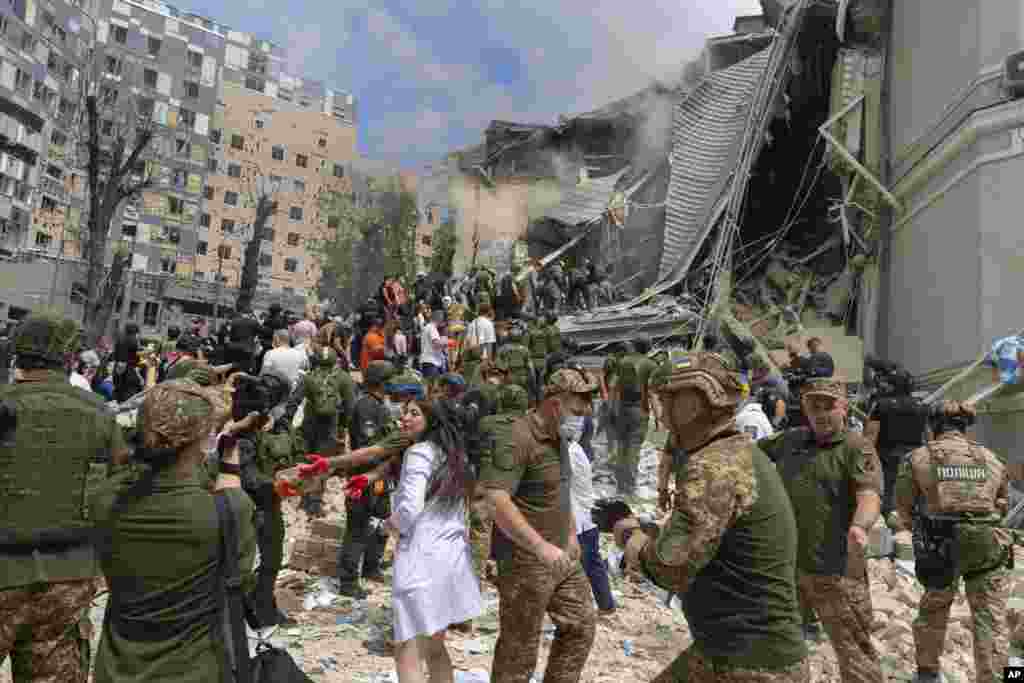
(630,105)
(585,201)
(707,134)
(467,159)
(660,318)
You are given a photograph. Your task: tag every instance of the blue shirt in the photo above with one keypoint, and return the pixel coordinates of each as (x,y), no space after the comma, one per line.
(1004,357)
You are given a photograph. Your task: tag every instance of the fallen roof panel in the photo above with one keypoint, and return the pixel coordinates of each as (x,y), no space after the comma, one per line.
(657,320)
(586,201)
(707,134)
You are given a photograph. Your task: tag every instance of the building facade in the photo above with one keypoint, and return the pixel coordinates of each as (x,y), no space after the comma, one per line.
(201,85)
(951,280)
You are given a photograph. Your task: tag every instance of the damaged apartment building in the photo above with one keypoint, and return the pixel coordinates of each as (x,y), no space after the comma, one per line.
(847,170)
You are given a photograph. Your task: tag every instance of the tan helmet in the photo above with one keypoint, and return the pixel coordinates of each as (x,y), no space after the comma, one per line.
(713,374)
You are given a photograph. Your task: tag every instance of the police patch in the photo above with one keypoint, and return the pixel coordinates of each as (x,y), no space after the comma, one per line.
(961,473)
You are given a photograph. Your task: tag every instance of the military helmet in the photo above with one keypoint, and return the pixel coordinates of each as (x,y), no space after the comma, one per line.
(379,372)
(715,375)
(48,337)
(324,357)
(513,399)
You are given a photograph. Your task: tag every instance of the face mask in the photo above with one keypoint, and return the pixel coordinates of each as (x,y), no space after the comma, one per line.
(570,428)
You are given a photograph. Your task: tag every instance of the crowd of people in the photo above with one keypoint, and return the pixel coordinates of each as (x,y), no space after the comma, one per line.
(469,446)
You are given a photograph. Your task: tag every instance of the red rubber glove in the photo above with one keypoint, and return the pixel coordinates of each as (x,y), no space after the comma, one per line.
(319,466)
(285,489)
(355,486)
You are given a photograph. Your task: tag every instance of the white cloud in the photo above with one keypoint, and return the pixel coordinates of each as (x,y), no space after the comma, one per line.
(576,55)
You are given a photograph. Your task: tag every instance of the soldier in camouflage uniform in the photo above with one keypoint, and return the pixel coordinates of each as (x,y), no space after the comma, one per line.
(630,376)
(514,358)
(729,548)
(537,342)
(834,481)
(961,490)
(57,444)
(524,485)
(324,387)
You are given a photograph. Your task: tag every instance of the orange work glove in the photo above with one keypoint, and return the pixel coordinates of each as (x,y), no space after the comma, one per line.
(355,486)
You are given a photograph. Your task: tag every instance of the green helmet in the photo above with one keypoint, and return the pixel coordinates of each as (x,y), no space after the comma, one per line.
(48,337)
(379,372)
(324,357)
(512,398)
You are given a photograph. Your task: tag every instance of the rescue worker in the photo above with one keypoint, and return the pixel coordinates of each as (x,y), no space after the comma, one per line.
(57,444)
(607,419)
(329,393)
(729,549)
(834,481)
(514,358)
(524,485)
(897,426)
(537,342)
(371,420)
(631,376)
(961,490)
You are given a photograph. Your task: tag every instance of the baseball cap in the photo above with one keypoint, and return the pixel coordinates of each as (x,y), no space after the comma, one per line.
(571,381)
(832,387)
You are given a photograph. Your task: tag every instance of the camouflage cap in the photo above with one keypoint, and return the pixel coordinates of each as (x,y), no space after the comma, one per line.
(833,387)
(513,399)
(177,413)
(379,372)
(47,335)
(570,381)
(957,409)
(716,375)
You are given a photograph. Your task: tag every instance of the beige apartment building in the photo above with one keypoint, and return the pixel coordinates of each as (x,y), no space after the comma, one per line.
(300,156)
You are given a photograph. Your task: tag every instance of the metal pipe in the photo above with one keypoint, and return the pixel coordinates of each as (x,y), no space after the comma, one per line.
(864,172)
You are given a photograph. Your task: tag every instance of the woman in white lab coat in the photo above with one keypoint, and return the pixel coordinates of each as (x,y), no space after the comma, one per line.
(434,584)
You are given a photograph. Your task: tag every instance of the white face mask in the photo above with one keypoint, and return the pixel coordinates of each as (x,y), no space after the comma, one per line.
(570,428)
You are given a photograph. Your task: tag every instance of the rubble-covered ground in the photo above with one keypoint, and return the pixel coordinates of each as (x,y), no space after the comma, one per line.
(338,640)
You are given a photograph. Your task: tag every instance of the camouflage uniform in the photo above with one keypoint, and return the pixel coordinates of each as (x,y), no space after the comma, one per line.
(533,468)
(729,548)
(51,461)
(632,416)
(823,481)
(973,548)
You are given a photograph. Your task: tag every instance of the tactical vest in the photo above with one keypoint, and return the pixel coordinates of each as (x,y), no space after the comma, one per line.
(966,489)
(964,482)
(554,339)
(904,422)
(50,466)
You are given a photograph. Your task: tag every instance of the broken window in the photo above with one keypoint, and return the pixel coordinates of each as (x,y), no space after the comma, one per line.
(301,160)
(291,265)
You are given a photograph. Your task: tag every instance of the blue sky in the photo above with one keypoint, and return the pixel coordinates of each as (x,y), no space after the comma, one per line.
(430,75)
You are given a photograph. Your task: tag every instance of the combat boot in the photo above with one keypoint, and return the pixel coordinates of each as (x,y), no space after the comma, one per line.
(929,676)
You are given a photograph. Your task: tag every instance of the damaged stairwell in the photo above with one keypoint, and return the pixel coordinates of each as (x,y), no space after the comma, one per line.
(804,256)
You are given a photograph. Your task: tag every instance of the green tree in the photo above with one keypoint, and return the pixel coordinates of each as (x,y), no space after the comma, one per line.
(445,242)
(371,235)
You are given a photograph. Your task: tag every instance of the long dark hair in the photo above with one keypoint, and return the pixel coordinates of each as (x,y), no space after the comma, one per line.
(445,429)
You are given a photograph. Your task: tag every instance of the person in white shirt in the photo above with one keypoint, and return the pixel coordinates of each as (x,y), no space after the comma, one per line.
(81,376)
(480,332)
(302,335)
(400,343)
(435,348)
(582,498)
(285,361)
(751,419)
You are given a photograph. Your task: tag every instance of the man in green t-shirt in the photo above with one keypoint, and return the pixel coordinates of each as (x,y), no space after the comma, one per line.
(833,478)
(729,548)
(630,376)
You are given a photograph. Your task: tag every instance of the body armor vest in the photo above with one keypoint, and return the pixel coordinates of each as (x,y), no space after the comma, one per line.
(538,343)
(963,481)
(51,464)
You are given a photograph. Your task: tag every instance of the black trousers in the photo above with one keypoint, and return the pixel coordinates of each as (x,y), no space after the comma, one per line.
(891,457)
(270,541)
(362,542)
